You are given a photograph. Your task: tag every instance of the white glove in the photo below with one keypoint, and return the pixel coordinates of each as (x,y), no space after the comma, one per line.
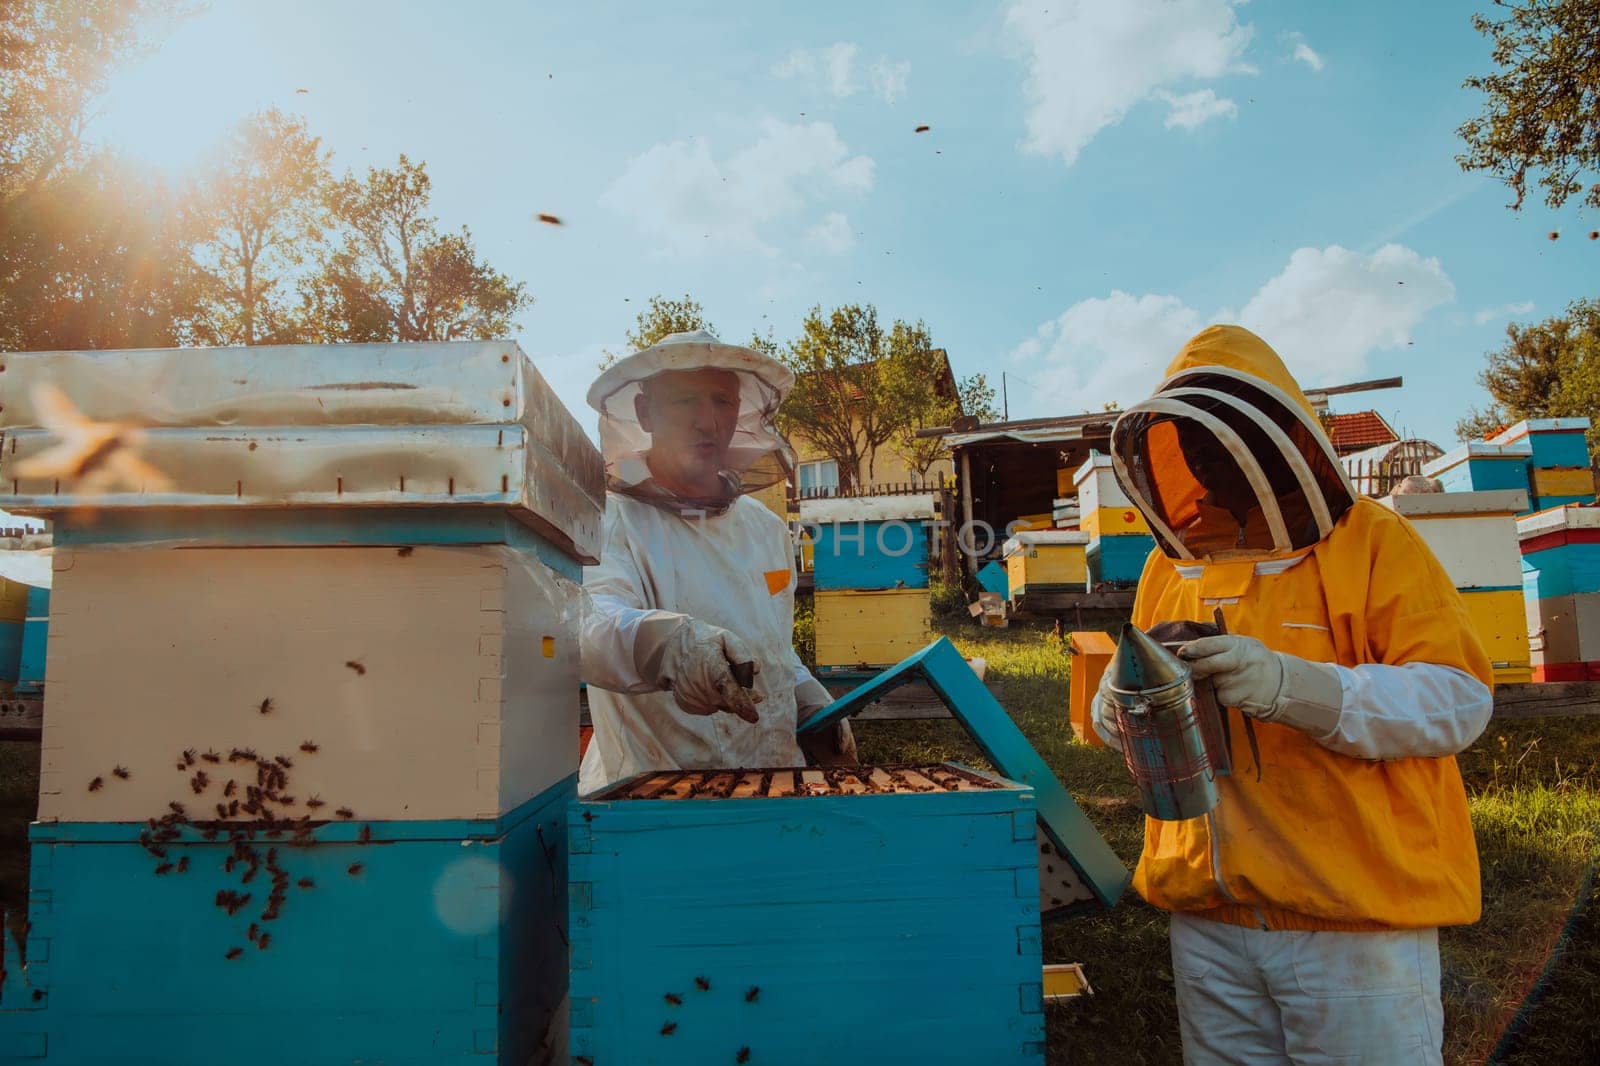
(1103,713)
(835,746)
(1267,684)
(697,665)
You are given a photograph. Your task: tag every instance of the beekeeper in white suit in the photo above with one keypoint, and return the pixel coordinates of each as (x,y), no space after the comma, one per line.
(695,579)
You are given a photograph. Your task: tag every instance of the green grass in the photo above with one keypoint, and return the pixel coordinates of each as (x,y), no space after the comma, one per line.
(1534,791)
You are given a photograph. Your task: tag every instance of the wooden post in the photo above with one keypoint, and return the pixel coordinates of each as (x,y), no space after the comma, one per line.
(966,504)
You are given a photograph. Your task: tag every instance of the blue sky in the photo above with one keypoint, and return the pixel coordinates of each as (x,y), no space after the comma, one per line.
(1099,181)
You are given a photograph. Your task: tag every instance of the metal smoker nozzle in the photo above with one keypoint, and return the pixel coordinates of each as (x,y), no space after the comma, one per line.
(1141,664)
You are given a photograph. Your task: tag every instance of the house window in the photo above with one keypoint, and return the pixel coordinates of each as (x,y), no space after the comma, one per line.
(820,478)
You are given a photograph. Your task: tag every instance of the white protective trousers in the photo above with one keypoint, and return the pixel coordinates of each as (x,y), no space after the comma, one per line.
(1256,996)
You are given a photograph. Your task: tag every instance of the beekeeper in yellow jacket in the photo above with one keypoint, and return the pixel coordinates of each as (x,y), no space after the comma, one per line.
(1305,907)
(695,584)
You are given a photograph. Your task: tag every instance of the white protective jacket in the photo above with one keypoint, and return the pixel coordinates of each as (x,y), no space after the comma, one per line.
(734,570)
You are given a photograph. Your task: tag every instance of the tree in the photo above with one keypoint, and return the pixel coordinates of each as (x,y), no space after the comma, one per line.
(857,386)
(1543,107)
(262,211)
(1549,369)
(931,406)
(392,276)
(661,317)
(54,58)
(96,258)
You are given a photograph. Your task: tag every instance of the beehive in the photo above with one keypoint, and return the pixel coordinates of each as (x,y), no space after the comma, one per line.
(869,543)
(1561,588)
(1119,536)
(1479,467)
(35,636)
(1045,561)
(1474,537)
(870,629)
(1091,654)
(331,641)
(887,915)
(1551,442)
(13,616)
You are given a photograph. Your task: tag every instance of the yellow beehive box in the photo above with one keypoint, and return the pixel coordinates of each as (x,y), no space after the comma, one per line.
(1064,482)
(1111,521)
(1472,534)
(1046,560)
(870,628)
(1563,481)
(435,682)
(1500,620)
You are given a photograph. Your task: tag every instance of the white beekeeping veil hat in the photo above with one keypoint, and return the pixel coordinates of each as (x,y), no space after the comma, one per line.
(757,455)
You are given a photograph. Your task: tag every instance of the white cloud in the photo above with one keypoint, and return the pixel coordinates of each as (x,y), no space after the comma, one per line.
(679,193)
(1100,351)
(834,69)
(832,235)
(889,78)
(1090,62)
(1326,313)
(1193,109)
(1330,308)
(1489,314)
(1303,51)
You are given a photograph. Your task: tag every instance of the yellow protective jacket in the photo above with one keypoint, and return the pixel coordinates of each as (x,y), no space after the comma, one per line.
(1322,840)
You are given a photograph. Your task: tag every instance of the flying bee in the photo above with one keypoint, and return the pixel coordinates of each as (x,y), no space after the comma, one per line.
(702,984)
(121,771)
(743,1055)
(265,706)
(345,812)
(675,1000)
(308,747)
(211,757)
(188,756)
(752,995)
(357,665)
(95,785)
(314,803)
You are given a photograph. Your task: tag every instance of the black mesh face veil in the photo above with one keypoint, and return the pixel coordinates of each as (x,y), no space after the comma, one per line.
(1221,461)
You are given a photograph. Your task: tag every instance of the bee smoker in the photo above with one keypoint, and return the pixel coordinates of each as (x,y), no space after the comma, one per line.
(1170,733)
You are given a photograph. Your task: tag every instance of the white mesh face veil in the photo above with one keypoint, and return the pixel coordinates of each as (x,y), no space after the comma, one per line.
(756,456)
(1219,460)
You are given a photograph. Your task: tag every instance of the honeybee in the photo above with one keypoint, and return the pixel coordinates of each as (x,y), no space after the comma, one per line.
(183,865)
(355,868)
(265,706)
(121,771)
(96,784)
(306,882)
(357,666)
(344,812)
(164,869)
(308,747)
(234,953)
(702,984)
(669,1028)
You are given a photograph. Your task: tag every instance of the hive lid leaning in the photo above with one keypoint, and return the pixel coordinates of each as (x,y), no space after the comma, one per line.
(1092,874)
(450,424)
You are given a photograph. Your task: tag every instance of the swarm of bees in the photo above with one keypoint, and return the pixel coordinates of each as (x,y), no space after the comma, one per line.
(266,805)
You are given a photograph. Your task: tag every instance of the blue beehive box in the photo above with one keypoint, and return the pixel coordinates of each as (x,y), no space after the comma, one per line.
(889,915)
(35,630)
(1481,467)
(870,543)
(443,945)
(1119,559)
(1552,442)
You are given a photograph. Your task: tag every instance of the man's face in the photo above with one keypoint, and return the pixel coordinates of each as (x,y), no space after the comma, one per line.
(690,416)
